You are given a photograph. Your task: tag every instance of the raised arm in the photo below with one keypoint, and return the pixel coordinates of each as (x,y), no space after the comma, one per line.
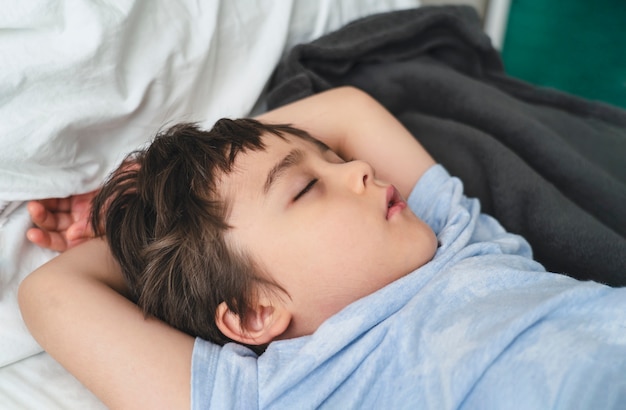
(355,125)
(74,307)
(348,120)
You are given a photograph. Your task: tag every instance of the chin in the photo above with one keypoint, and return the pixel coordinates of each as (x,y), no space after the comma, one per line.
(433,245)
(428,245)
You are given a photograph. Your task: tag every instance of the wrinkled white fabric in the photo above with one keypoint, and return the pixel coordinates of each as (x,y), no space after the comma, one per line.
(85,82)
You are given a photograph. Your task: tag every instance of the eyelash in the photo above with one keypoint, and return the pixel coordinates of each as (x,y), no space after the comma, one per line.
(306,189)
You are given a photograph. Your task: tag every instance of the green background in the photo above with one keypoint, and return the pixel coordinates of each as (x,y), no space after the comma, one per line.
(578,46)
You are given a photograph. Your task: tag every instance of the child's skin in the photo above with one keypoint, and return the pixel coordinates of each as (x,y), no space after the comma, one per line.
(321,229)
(62,223)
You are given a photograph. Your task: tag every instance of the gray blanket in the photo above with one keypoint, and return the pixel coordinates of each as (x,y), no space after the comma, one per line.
(547,165)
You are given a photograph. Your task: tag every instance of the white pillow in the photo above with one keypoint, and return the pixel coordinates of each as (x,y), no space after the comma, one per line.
(84,82)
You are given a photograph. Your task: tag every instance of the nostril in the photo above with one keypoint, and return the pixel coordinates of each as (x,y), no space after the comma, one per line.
(365,179)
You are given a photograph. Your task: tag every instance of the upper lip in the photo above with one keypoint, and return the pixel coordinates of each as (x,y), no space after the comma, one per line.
(392,198)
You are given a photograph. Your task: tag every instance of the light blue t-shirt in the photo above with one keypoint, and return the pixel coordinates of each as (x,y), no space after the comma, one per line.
(481,326)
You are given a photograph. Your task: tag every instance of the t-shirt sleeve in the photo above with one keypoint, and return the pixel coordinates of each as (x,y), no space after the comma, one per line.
(436,196)
(203,369)
(438,199)
(218,374)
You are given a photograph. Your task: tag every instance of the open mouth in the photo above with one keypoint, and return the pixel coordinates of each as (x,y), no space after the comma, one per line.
(395,203)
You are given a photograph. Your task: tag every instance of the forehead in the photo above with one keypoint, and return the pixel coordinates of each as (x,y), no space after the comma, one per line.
(251,168)
(256,163)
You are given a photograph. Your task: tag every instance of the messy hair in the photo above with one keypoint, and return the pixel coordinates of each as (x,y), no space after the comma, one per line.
(165,224)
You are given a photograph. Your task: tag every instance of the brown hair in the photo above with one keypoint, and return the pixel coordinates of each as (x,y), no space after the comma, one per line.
(165,223)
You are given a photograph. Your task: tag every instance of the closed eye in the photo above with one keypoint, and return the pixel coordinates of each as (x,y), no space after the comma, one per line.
(306,189)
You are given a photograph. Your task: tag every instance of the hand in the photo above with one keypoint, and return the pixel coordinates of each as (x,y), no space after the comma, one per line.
(61,223)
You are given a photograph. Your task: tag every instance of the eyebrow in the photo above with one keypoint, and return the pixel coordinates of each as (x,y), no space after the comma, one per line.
(292,159)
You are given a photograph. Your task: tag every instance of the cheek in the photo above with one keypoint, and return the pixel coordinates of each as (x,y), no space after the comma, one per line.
(339,240)
(325,244)
(334,223)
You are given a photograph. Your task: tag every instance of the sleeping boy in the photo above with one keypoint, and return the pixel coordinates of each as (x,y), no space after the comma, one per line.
(292,242)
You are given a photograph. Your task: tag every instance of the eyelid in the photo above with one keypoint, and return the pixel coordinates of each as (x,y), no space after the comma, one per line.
(314,181)
(306,189)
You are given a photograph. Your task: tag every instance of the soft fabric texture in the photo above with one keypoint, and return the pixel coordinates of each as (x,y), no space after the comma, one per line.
(481,326)
(547,165)
(83,83)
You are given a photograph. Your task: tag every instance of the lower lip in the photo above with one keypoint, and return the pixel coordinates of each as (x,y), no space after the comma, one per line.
(395,209)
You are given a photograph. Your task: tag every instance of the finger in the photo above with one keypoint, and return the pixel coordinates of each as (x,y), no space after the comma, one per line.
(38,237)
(45,219)
(41,215)
(37,211)
(57,204)
(44,239)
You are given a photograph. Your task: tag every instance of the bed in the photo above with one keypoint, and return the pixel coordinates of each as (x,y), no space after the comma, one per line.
(86,82)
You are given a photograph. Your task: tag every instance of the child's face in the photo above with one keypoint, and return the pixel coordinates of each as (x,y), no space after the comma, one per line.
(320,227)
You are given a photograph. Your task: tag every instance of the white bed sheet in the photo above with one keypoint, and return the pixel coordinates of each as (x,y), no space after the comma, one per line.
(85,82)
(38,383)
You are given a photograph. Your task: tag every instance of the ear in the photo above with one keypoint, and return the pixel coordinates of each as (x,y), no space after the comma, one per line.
(263,323)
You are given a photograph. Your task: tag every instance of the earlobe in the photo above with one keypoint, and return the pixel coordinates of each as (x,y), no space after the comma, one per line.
(262,324)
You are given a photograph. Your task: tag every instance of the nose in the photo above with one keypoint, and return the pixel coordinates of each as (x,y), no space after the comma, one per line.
(357,175)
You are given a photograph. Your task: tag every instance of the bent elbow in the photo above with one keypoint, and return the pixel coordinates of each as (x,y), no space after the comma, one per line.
(37,295)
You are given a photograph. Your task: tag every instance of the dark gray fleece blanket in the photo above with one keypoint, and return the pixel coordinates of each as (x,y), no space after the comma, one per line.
(547,165)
